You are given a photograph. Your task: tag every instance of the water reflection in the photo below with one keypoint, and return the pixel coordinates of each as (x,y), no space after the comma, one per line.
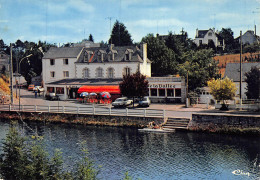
(180,155)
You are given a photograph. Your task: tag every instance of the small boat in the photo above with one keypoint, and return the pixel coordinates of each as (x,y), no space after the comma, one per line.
(157,130)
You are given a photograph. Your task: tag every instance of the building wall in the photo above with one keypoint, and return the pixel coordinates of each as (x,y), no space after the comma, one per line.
(249,37)
(58,68)
(207,38)
(118,68)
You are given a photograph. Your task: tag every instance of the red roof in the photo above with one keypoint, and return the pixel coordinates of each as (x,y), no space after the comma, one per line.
(112,89)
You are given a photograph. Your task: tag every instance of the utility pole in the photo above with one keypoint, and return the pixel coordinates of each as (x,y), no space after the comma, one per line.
(11,73)
(110,28)
(240,88)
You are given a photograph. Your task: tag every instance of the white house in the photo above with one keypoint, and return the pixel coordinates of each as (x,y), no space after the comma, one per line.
(66,69)
(206,36)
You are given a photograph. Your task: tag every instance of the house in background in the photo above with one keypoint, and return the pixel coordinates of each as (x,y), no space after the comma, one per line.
(4,61)
(206,36)
(233,72)
(249,37)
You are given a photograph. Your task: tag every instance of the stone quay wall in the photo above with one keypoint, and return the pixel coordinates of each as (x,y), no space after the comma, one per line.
(205,121)
(106,120)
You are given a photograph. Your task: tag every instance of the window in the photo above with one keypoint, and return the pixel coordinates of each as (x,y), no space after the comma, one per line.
(85,73)
(50,89)
(153,92)
(170,92)
(127,71)
(110,72)
(59,90)
(127,57)
(52,62)
(99,72)
(210,34)
(65,73)
(200,42)
(65,61)
(161,92)
(177,92)
(52,74)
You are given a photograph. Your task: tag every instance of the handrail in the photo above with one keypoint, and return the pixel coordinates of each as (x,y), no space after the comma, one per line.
(91,110)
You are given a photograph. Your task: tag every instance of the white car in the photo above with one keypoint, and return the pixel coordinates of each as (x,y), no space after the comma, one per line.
(38,87)
(122,102)
(145,101)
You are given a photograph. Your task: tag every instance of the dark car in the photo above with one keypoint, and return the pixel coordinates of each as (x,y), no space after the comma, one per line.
(51,96)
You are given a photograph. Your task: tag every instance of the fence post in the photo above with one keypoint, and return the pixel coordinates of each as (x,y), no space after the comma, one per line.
(9,107)
(144,112)
(163,113)
(77,109)
(207,102)
(63,109)
(93,109)
(126,111)
(109,111)
(49,109)
(35,108)
(22,108)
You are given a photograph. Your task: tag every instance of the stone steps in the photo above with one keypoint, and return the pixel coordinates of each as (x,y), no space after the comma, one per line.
(177,123)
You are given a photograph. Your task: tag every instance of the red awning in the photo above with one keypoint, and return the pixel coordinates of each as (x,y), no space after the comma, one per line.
(112,89)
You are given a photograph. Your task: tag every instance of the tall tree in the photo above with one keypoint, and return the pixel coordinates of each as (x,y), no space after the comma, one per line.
(134,85)
(90,38)
(228,35)
(120,35)
(163,59)
(253,83)
(200,67)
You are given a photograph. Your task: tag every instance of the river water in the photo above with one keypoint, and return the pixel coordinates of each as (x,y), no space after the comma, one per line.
(181,155)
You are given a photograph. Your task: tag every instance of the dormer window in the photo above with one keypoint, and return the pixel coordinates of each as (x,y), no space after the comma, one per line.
(100,55)
(128,54)
(111,55)
(87,56)
(210,34)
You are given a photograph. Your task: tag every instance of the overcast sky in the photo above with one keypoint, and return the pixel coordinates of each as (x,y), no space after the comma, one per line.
(62,21)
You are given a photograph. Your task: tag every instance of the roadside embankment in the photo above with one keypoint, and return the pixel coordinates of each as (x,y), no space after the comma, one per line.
(226,123)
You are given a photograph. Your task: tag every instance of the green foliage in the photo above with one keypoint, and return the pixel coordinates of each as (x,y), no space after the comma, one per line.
(120,36)
(134,85)
(28,159)
(228,35)
(163,59)
(90,38)
(253,83)
(200,68)
(222,90)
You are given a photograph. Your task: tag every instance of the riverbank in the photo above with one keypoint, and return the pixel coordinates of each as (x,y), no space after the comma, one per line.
(209,123)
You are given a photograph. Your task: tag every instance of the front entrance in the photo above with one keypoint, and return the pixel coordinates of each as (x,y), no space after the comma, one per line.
(73,93)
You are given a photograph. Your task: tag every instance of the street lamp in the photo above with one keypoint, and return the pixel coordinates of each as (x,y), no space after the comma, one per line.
(20,75)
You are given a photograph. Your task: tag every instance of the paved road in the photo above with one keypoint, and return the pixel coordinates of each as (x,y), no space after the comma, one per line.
(172,110)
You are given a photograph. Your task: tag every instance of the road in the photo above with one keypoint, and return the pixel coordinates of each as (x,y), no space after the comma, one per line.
(172,110)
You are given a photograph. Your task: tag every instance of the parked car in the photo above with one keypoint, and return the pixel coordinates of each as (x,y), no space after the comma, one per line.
(51,96)
(122,102)
(30,87)
(145,101)
(38,87)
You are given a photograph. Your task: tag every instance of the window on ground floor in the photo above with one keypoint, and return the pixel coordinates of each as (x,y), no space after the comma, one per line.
(59,90)
(161,92)
(50,89)
(170,92)
(153,92)
(177,92)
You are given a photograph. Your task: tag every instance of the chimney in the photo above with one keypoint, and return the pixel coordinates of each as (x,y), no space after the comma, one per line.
(197,33)
(144,51)
(111,46)
(255,30)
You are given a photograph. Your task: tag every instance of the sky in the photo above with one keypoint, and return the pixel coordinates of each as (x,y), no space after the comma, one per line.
(63,21)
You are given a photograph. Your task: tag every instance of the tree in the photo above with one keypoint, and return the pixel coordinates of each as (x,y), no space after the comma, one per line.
(120,36)
(134,85)
(200,67)
(253,83)
(228,35)
(90,38)
(163,59)
(222,90)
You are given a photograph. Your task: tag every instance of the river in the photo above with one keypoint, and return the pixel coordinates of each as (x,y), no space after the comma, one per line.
(181,155)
